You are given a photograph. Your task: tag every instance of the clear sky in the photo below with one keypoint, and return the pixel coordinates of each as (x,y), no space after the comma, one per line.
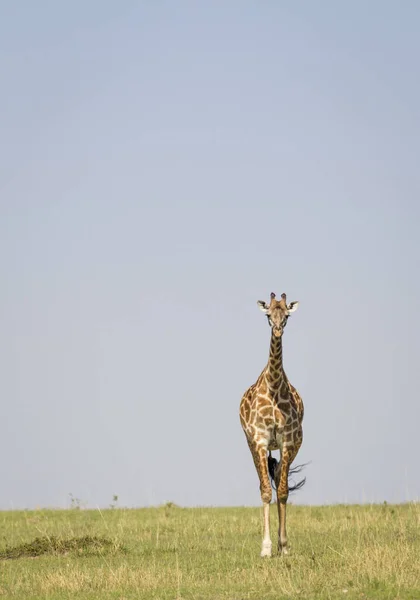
(163,166)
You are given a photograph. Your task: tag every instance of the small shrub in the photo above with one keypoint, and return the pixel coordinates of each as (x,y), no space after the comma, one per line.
(54,546)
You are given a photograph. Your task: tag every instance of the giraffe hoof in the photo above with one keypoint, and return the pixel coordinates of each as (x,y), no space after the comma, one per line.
(266,549)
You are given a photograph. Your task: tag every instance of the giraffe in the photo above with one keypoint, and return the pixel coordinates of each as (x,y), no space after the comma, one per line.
(271,414)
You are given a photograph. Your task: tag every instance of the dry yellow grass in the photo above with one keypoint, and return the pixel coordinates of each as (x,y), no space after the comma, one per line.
(337,552)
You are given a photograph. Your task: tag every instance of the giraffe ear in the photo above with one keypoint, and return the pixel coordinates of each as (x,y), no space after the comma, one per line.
(292,307)
(263,306)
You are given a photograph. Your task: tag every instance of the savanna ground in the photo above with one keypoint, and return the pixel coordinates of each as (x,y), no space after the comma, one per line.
(210,553)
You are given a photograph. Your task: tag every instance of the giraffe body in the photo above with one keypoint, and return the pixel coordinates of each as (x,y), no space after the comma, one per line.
(271,414)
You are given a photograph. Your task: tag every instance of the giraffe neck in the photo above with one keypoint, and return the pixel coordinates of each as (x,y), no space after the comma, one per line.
(274,371)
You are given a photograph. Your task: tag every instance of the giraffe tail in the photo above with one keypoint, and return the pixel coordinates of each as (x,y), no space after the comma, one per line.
(273,470)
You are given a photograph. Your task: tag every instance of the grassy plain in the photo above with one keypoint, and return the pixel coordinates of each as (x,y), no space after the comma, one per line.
(210,553)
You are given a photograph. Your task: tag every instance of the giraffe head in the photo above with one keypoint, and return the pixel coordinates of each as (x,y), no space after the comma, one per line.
(277,312)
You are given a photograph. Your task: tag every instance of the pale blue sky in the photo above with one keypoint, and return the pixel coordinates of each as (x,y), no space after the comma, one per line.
(164,165)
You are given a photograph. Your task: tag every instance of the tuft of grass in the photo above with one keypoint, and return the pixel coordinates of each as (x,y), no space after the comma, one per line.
(52,545)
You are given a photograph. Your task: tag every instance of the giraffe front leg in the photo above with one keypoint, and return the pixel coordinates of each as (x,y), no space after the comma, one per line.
(266,543)
(259,454)
(282,496)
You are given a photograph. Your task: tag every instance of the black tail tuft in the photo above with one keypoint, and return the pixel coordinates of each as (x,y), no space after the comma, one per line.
(273,464)
(293,471)
(272,467)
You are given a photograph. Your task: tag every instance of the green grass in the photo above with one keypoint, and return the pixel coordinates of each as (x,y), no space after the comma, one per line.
(203,553)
